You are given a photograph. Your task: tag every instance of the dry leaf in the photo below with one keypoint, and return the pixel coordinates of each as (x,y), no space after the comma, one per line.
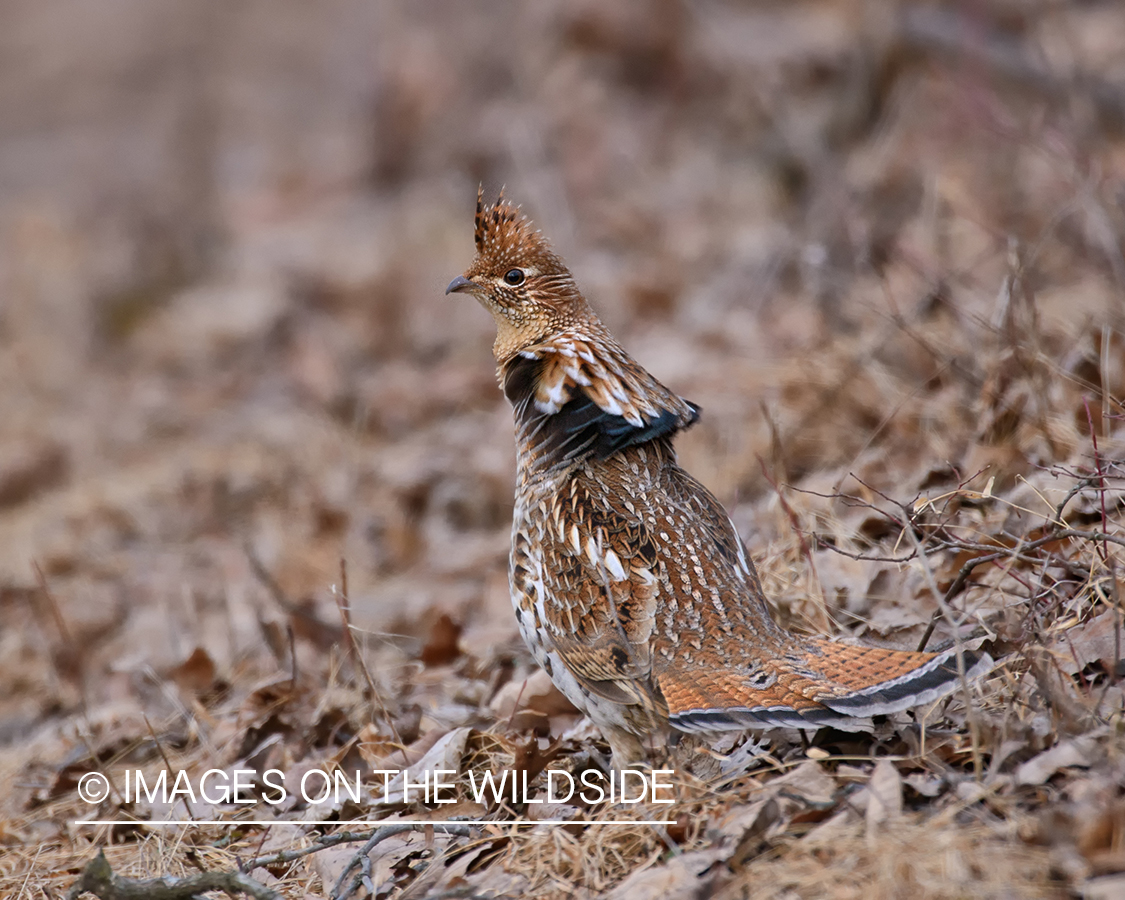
(441,645)
(884,797)
(196,674)
(1079,751)
(685,877)
(446,755)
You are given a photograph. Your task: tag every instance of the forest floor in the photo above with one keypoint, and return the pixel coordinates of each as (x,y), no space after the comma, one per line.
(256,475)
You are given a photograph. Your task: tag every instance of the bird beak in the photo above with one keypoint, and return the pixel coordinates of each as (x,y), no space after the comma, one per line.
(461,284)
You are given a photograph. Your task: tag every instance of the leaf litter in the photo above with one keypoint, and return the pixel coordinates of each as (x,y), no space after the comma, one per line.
(904,324)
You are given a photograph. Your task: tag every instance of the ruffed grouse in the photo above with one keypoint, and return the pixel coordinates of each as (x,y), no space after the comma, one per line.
(630,584)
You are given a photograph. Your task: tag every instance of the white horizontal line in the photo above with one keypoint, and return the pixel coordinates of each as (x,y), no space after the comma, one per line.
(376,824)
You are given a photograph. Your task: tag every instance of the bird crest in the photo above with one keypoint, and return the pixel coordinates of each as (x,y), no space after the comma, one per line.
(504,236)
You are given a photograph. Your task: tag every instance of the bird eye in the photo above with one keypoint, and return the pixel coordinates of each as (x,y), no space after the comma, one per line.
(514,276)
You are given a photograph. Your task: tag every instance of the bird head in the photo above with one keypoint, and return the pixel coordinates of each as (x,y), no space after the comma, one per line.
(518,278)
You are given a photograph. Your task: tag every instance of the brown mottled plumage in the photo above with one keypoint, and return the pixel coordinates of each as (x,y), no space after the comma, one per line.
(630,584)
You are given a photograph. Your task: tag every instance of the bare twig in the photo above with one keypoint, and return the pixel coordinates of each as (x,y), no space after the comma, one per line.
(866,557)
(1078,487)
(343,604)
(98,879)
(1061,535)
(356,862)
(962,576)
(822,603)
(167,762)
(294,668)
(266,578)
(309,626)
(53,605)
(323,842)
(959,651)
(1104,550)
(1107,558)
(68,663)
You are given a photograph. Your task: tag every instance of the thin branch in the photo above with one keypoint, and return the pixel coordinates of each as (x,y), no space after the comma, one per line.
(1078,488)
(323,842)
(962,576)
(98,879)
(867,557)
(257,567)
(167,762)
(1101,476)
(822,606)
(959,654)
(343,604)
(356,862)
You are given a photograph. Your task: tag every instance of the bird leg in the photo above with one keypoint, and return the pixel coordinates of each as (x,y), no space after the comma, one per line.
(626,748)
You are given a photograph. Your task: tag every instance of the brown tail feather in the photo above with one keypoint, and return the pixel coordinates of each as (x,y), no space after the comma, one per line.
(835,684)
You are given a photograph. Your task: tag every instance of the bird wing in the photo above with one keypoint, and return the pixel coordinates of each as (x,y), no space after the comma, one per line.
(597,569)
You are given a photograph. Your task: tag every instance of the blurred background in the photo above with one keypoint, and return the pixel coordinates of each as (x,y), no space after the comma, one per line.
(872,237)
